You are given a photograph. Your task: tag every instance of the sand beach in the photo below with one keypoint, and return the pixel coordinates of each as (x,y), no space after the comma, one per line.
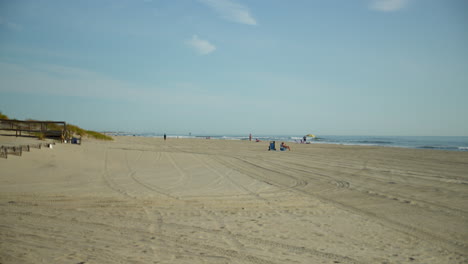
(146,200)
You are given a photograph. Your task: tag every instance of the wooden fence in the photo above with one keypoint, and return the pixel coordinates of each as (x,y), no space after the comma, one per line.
(50,129)
(18,150)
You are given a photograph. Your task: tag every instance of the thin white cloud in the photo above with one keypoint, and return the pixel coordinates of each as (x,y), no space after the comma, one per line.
(203,47)
(57,80)
(388,5)
(61,80)
(231,11)
(10,25)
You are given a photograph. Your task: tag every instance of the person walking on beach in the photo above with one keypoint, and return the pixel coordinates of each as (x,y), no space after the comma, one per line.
(164,136)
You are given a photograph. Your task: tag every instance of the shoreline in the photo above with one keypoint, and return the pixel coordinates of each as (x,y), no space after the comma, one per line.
(448,143)
(140,199)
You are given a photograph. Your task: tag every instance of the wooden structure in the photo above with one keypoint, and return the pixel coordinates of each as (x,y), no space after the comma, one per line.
(49,129)
(18,150)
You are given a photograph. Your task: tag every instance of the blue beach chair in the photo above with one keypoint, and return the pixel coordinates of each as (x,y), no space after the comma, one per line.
(272,146)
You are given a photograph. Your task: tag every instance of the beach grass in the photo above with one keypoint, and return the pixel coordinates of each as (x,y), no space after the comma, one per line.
(88,133)
(74,130)
(39,135)
(98,135)
(3,116)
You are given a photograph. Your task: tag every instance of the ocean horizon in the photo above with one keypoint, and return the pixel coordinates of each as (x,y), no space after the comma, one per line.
(450,143)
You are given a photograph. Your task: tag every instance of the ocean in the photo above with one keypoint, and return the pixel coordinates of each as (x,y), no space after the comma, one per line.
(416,142)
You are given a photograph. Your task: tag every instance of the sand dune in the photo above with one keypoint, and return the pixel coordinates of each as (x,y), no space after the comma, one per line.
(145,200)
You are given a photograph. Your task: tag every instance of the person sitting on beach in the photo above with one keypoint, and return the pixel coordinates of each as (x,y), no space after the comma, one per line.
(285,146)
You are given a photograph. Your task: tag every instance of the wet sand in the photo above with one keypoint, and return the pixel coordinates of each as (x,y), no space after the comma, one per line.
(146,200)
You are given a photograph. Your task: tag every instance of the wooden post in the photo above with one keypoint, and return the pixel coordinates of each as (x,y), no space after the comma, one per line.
(64,131)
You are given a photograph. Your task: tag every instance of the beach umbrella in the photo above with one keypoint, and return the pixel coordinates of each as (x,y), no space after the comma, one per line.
(310,135)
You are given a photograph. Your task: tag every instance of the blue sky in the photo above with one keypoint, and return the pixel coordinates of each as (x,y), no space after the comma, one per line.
(361,67)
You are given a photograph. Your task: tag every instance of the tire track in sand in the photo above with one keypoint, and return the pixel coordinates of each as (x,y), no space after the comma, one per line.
(153,189)
(405,228)
(107,179)
(171,232)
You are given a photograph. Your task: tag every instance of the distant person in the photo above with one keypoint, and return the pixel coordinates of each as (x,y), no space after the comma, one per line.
(305,139)
(164,136)
(284,146)
(250,137)
(257,140)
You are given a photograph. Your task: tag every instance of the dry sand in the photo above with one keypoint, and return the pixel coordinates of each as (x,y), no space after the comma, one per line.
(146,200)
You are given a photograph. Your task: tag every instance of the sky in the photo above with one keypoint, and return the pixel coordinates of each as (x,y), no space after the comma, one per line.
(270,67)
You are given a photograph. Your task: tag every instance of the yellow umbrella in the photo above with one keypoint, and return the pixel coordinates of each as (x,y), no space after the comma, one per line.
(310,135)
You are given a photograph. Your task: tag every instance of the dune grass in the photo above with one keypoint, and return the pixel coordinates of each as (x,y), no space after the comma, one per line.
(39,135)
(76,130)
(98,135)
(87,133)
(2,116)
(73,129)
